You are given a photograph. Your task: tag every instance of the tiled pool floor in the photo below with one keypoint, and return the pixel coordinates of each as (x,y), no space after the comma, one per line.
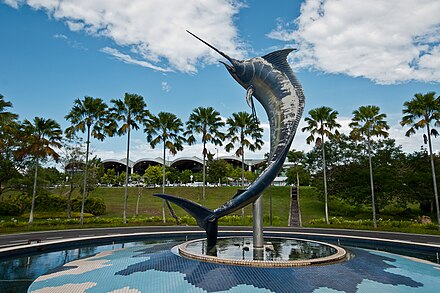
(154,268)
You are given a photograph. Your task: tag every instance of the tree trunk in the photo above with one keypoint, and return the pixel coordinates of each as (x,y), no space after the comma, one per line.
(139,198)
(242,161)
(325,180)
(299,205)
(69,195)
(163,183)
(242,175)
(373,203)
(85,176)
(34,193)
(127,172)
(204,173)
(434,181)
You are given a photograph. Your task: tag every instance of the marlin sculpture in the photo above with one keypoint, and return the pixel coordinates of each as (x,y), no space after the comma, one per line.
(271,81)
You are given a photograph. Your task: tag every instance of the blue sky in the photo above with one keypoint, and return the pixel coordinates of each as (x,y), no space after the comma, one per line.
(350,53)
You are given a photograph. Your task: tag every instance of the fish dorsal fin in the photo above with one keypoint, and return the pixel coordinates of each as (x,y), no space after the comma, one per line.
(279,59)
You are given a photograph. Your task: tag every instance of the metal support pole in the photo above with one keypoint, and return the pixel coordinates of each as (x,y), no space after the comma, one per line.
(258,223)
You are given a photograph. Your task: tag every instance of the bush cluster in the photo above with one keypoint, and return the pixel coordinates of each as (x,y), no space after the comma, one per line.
(92,205)
(9,209)
(369,223)
(50,203)
(17,205)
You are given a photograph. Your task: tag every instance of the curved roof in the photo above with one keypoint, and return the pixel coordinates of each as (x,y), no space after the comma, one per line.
(121,161)
(155,160)
(249,162)
(188,163)
(195,159)
(180,163)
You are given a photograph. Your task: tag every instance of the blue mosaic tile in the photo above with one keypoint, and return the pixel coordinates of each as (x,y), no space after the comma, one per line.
(154,268)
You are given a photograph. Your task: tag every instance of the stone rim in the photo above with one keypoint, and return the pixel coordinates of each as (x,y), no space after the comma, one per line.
(338,256)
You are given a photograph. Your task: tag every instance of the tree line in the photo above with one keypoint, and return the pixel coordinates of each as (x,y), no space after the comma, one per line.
(338,161)
(393,176)
(25,145)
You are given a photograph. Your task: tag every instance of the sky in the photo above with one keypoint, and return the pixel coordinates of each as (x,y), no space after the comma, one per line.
(349,53)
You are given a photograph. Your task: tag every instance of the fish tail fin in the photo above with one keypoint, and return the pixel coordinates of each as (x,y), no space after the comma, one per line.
(205,217)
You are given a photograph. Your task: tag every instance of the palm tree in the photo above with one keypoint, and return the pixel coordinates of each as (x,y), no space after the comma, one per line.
(6,116)
(131,112)
(7,123)
(321,122)
(421,112)
(366,123)
(9,131)
(39,139)
(243,126)
(165,128)
(87,115)
(206,122)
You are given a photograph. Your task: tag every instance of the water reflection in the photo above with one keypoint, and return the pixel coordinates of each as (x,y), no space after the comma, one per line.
(275,249)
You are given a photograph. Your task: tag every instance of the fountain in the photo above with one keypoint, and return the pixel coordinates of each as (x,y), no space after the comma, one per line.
(270,80)
(229,264)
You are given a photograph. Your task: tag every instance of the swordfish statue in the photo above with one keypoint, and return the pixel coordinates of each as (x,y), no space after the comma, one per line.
(271,81)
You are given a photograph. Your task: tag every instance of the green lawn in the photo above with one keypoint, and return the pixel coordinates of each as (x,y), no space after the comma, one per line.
(150,211)
(215,197)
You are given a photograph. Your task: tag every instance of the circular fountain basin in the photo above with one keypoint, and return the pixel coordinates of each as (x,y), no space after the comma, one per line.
(277,252)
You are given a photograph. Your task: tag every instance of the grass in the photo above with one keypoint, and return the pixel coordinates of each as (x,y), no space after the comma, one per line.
(215,197)
(150,211)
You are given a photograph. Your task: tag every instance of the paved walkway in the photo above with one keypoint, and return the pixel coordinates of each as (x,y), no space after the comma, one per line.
(9,240)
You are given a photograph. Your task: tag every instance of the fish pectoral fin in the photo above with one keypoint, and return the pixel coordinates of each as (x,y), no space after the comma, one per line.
(250,101)
(249,93)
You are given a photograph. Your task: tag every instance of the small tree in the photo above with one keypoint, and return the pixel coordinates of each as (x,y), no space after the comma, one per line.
(245,130)
(366,123)
(87,115)
(131,113)
(40,137)
(73,163)
(420,112)
(217,170)
(154,174)
(165,128)
(138,179)
(320,124)
(207,123)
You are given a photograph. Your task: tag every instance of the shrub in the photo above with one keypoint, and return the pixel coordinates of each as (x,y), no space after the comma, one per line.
(50,203)
(384,224)
(153,219)
(95,206)
(9,209)
(92,205)
(186,219)
(23,201)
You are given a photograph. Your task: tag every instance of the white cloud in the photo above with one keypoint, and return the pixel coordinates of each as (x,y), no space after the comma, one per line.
(60,36)
(12,3)
(385,41)
(71,43)
(129,60)
(166,86)
(153,32)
